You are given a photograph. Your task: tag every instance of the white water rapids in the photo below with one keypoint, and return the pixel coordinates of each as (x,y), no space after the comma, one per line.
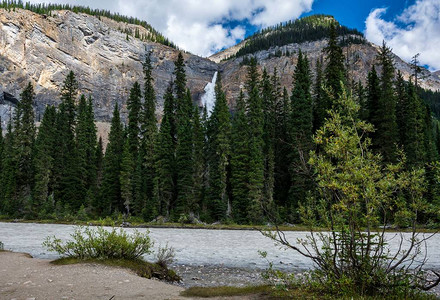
(208,99)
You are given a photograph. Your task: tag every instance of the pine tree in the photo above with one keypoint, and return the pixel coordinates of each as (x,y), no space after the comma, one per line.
(282,151)
(86,141)
(195,203)
(319,98)
(95,191)
(386,135)
(126,176)
(373,94)
(269,100)
(134,108)
(184,155)
(240,162)
(218,131)
(166,148)
(24,143)
(146,198)
(335,70)
(9,195)
(256,143)
(301,130)
(111,188)
(43,159)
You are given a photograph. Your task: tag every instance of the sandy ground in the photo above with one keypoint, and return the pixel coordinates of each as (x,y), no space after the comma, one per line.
(22,277)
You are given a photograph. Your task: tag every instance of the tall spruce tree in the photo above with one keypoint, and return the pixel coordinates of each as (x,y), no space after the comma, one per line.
(373,94)
(134,108)
(86,141)
(24,143)
(126,176)
(195,203)
(43,159)
(10,204)
(301,130)
(240,162)
(166,149)
(219,131)
(146,198)
(386,134)
(319,97)
(269,100)
(111,187)
(256,144)
(335,69)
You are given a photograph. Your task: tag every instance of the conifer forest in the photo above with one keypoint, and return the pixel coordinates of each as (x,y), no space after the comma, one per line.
(246,162)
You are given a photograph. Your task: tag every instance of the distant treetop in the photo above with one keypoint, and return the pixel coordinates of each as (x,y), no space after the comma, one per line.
(311,28)
(43,9)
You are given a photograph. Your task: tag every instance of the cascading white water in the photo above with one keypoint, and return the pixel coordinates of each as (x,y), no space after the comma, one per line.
(208,99)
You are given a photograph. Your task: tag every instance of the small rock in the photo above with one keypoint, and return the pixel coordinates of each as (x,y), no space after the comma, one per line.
(49,280)
(195,278)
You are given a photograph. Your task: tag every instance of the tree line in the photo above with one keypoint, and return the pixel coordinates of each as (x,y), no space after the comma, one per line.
(311,28)
(245,164)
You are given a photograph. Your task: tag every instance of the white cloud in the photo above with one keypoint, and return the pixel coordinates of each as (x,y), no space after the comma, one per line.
(196,25)
(416,30)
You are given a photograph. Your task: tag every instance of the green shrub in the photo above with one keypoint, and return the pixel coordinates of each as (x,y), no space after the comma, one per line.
(165,256)
(99,243)
(2,246)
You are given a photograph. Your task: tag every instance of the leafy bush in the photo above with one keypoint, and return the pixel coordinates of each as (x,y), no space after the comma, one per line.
(165,256)
(2,246)
(101,244)
(358,195)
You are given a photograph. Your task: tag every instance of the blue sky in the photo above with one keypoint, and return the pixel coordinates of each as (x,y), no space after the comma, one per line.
(204,27)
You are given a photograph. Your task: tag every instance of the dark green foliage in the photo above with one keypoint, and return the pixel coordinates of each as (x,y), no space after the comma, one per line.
(219,131)
(319,98)
(24,143)
(309,28)
(384,119)
(256,144)
(199,162)
(146,198)
(373,94)
(301,130)
(126,176)
(43,159)
(335,69)
(240,162)
(134,109)
(166,161)
(111,187)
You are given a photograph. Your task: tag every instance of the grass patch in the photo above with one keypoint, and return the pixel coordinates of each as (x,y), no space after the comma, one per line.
(268,292)
(140,267)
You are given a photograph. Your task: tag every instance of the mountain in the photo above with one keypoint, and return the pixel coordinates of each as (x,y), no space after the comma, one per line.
(277,47)
(106,60)
(106,52)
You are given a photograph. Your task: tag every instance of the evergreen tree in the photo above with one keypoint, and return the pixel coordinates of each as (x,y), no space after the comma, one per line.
(10,204)
(283,149)
(126,176)
(86,141)
(166,148)
(256,143)
(134,108)
(386,134)
(373,94)
(146,187)
(111,188)
(239,162)
(335,70)
(301,130)
(43,159)
(24,143)
(184,155)
(269,100)
(219,131)
(195,203)
(319,98)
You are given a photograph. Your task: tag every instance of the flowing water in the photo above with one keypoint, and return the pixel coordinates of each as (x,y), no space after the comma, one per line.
(208,99)
(198,251)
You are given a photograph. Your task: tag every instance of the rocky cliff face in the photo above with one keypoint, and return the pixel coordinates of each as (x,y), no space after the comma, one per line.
(43,49)
(359,60)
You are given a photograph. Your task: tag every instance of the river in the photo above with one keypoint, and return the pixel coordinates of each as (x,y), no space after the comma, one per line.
(198,251)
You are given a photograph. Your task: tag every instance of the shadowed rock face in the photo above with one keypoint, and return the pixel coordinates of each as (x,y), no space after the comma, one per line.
(43,49)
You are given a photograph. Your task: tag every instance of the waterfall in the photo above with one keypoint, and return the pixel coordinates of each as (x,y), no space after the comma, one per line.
(208,99)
